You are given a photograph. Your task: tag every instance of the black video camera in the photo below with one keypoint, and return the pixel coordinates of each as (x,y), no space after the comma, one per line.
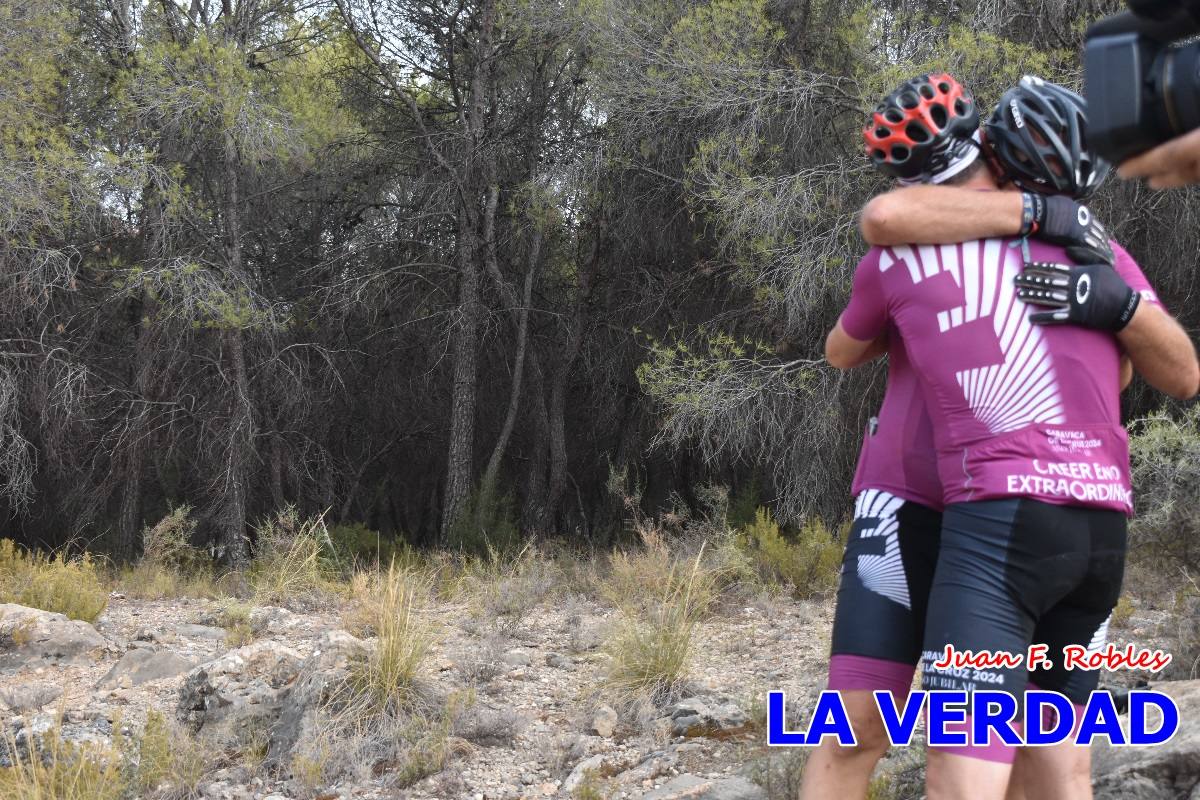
(1141,91)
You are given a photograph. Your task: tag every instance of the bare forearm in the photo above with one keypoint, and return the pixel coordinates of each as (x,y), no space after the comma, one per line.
(1161,352)
(940,215)
(843,351)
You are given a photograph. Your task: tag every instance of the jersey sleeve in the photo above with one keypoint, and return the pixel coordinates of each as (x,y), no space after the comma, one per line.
(866,315)
(1129,270)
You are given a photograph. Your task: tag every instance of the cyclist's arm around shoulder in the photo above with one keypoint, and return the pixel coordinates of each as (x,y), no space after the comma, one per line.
(1158,346)
(939,215)
(1161,352)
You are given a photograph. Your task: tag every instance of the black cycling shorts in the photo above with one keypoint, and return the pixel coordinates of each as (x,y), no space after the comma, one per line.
(1014,572)
(887,572)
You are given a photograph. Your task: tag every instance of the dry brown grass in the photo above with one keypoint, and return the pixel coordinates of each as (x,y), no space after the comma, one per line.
(71,586)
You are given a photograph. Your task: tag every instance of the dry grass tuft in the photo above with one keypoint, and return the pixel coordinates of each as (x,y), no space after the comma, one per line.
(161,762)
(169,762)
(289,568)
(650,649)
(391,606)
(71,586)
(502,590)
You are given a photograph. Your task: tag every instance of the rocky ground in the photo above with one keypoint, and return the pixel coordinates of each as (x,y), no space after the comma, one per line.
(535,724)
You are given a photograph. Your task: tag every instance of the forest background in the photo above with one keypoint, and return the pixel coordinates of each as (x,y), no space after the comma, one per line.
(474,268)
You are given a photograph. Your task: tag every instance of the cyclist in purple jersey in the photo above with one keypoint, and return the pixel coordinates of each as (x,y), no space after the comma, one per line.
(1032,432)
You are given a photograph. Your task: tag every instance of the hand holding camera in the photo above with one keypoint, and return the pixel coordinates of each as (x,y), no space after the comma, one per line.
(1144,93)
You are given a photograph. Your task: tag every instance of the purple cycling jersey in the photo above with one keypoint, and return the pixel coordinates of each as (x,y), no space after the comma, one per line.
(1017,410)
(897,453)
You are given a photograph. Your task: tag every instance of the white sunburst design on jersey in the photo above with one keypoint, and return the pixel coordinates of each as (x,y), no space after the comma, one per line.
(1023,388)
(882,574)
(1100,638)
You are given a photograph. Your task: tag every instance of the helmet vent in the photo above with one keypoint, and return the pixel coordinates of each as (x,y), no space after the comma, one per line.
(938,113)
(909,100)
(900,153)
(917,132)
(926,91)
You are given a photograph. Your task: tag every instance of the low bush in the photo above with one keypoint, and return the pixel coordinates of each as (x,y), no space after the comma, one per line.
(168,761)
(486,524)
(71,586)
(502,589)
(1165,455)
(60,770)
(806,563)
(355,545)
(168,543)
(290,564)
(170,565)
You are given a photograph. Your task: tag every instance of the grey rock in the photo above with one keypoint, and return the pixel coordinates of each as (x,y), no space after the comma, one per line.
(143,666)
(700,717)
(604,721)
(516,658)
(30,734)
(594,764)
(651,767)
(321,677)
(240,692)
(190,631)
(559,661)
(694,787)
(28,697)
(30,637)
(272,619)
(1164,772)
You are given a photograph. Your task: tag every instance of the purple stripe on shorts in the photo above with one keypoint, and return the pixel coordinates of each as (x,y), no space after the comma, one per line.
(1050,719)
(995,750)
(851,673)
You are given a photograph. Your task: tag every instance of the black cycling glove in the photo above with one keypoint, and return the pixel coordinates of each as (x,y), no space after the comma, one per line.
(1060,220)
(1091,296)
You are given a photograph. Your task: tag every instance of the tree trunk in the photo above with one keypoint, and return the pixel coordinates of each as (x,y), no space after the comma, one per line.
(239,444)
(460,459)
(239,448)
(535,480)
(521,324)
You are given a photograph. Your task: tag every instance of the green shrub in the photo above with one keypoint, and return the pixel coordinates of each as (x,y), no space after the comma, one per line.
(71,586)
(168,543)
(170,565)
(486,524)
(60,770)
(1165,454)
(356,545)
(806,563)
(167,759)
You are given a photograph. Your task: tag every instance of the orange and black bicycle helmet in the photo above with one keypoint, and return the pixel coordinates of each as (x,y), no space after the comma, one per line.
(924,130)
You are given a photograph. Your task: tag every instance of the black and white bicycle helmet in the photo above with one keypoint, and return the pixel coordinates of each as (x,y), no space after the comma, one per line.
(1038,133)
